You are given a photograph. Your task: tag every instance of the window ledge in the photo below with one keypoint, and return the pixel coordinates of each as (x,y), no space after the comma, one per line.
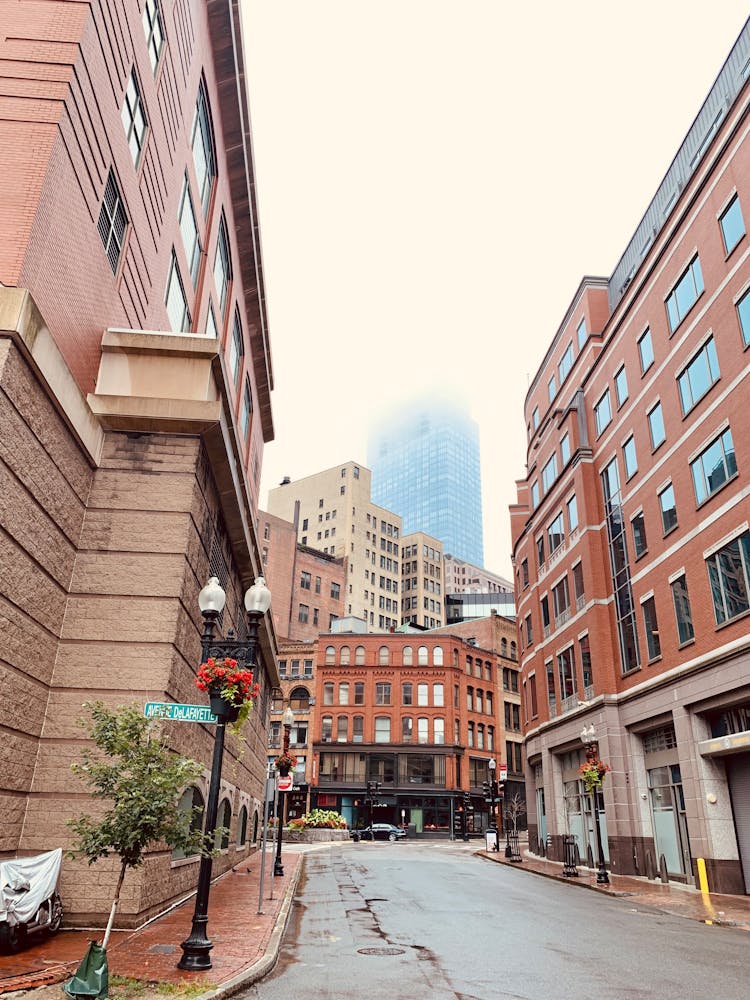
(718,490)
(731,621)
(653,659)
(688,642)
(731,252)
(673,528)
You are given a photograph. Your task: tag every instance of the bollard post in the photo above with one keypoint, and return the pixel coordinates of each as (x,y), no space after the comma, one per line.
(664,874)
(702,876)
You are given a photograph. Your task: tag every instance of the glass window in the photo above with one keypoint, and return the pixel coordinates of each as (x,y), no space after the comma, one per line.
(682,610)
(236,349)
(551,389)
(422,695)
(437,656)
(359,655)
(134,118)
(154,32)
(422,656)
(684,294)
(359,692)
(189,230)
(247,410)
(423,731)
(407,656)
(668,509)
(713,467)
(382,729)
(566,363)
(743,315)
(572,506)
(222,266)
(382,693)
(729,576)
(698,376)
(639,535)
(406,693)
(112,222)
(342,728)
(565,449)
(556,533)
(629,456)
(621,386)
(330,654)
(344,693)
(566,672)
(581,334)
(535,417)
(603,413)
(177,310)
(212,331)
(438,727)
(656,426)
(732,224)
(534,494)
(358,729)
(549,473)
(652,628)
(202,145)
(438,695)
(384,656)
(646,351)
(328,693)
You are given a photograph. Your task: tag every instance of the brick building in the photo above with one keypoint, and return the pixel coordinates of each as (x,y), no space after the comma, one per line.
(418,712)
(135,381)
(297,662)
(630,535)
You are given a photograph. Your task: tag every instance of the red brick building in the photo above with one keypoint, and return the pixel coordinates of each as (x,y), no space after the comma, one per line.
(418,712)
(631,539)
(135,381)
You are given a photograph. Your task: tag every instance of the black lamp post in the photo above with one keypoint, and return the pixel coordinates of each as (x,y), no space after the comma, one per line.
(287,719)
(492,765)
(211,600)
(588,738)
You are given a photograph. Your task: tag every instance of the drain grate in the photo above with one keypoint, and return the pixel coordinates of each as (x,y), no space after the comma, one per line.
(380,951)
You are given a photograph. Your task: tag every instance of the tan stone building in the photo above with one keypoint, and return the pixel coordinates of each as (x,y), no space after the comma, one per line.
(335,514)
(422,586)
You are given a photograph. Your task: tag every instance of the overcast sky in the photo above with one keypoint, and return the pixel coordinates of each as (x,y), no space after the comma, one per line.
(434,179)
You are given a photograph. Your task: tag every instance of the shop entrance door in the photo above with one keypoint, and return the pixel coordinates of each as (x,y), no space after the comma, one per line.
(670,825)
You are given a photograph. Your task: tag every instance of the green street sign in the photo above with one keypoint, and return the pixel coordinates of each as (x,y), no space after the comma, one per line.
(179,713)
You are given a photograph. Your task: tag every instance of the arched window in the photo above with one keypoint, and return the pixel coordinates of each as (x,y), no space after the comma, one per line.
(191,801)
(326,728)
(256,823)
(439,730)
(422,656)
(513,654)
(299,700)
(504,647)
(358,729)
(242,827)
(480,736)
(423,730)
(437,656)
(225,820)
(346,655)
(342,728)
(277,700)
(384,656)
(330,654)
(408,656)
(359,655)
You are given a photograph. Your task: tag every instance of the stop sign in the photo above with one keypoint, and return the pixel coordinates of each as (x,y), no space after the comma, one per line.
(285,782)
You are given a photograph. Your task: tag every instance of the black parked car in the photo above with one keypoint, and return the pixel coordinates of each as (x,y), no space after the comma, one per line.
(379,831)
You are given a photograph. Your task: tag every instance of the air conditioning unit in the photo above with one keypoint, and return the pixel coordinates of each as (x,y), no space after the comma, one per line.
(326,739)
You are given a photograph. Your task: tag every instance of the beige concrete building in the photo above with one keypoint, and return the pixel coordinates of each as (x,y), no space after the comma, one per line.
(337,516)
(422,586)
(463,578)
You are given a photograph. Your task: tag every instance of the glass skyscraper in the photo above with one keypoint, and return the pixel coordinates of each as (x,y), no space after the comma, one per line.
(425,467)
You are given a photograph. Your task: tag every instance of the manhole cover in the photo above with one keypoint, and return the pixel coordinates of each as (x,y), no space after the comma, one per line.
(380,951)
(163,949)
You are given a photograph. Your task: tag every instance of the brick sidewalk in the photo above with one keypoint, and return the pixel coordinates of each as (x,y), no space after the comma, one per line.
(675,898)
(246,943)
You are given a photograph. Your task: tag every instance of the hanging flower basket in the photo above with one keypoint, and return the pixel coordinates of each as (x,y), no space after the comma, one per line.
(231,690)
(593,772)
(284,763)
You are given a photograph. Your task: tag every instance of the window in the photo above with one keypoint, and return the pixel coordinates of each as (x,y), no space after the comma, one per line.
(189,230)
(222,266)
(438,695)
(437,656)
(551,389)
(335,591)
(342,728)
(359,655)
(713,467)
(732,225)
(639,535)
(629,457)
(212,330)
(305,580)
(176,303)
(729,576)
(603,413)
(698,376)
(202,145)
(407,656)
(422,656)
(683,614)
(556,533)
(524,579)
(566,672)
(330,655)
(534,494)
(549,474)
(561,601)
(438,728)
(242,827)
(154,32)
(236,350)
(304,613)
(326,728)
(328,693)
(134,118)
(358,729)
(572,506)
(247,410)
(566,363)
(646,351)
(578,590)
(382,693)
(621,386)
(535,417)
(423,698)
(684,294)
(656,426)
(743,315)
(407,725)
(112,222)
(652,628)
(581,334)
(668,509)
(359,692)
(407,693)
(382,729)
(585,651)
(529,631)
(565,449)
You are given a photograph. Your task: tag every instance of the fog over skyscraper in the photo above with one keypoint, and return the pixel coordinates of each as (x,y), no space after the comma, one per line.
(425,467)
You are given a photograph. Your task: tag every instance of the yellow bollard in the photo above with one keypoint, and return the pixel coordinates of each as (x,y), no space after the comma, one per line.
(702,878)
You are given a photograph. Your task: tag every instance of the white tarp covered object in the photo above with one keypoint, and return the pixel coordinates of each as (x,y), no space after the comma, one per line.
(25,883)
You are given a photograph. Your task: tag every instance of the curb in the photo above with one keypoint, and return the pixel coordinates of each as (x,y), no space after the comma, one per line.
(266,963)
(31,980)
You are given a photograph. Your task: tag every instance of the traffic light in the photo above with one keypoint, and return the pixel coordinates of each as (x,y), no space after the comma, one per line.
(486,790)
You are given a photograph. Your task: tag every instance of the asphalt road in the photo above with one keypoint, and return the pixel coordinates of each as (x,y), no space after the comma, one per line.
(405,920)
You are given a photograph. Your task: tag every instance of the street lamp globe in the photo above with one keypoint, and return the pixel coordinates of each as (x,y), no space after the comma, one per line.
(492,764)
(212,598)
(588,735)
(288,717)
(258,597)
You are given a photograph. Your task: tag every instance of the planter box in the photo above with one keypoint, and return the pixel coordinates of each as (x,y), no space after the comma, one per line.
(314,836)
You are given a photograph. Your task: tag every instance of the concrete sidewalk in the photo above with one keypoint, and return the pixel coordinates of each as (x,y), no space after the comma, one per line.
(245,943)
(675,898)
